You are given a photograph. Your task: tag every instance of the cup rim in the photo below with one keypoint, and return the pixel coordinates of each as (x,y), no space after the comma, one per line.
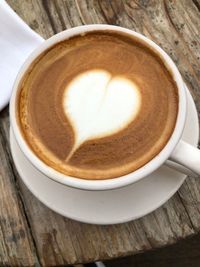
(117,182)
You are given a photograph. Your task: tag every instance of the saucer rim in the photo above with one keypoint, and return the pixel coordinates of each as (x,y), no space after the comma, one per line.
(103,221)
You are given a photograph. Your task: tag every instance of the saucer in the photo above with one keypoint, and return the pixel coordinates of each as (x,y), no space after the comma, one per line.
(113,206)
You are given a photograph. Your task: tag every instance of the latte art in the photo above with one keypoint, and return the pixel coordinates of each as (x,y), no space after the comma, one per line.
(97,106)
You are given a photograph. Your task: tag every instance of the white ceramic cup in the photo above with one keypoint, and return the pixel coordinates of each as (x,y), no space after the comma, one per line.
(175,150)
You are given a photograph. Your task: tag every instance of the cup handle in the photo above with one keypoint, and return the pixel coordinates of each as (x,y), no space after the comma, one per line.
(187,156)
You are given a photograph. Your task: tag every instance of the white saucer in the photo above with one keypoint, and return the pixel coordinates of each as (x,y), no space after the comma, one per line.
(107,207)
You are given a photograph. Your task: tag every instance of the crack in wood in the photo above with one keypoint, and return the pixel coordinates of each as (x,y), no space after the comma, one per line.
(79,11)
(196,3)
(46,8)
(110,19)
(60,15)
(169,17)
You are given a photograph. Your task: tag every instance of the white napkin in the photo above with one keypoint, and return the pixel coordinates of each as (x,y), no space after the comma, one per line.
(17,41)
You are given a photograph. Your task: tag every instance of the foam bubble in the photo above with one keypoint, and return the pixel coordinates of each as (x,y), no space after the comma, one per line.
(99,104)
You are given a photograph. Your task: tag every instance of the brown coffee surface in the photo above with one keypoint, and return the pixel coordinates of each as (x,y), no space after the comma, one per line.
(50,133)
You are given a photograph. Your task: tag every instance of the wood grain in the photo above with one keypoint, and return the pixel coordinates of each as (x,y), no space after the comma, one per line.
(16,245)
(174,25)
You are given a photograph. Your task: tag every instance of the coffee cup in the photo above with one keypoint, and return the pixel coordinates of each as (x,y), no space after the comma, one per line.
(175,149)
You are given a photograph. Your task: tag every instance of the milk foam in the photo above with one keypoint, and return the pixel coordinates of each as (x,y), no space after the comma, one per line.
(99,104)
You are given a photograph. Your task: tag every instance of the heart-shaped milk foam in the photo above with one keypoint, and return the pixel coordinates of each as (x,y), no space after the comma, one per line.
(99,104)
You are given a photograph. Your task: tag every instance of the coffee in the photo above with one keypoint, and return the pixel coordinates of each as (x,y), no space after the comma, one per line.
(98,105)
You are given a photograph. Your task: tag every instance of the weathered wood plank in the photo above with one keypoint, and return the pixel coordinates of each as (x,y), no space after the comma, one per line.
(173,25)
(16,245)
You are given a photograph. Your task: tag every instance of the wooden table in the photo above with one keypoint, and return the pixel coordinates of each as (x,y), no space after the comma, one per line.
(33,235)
